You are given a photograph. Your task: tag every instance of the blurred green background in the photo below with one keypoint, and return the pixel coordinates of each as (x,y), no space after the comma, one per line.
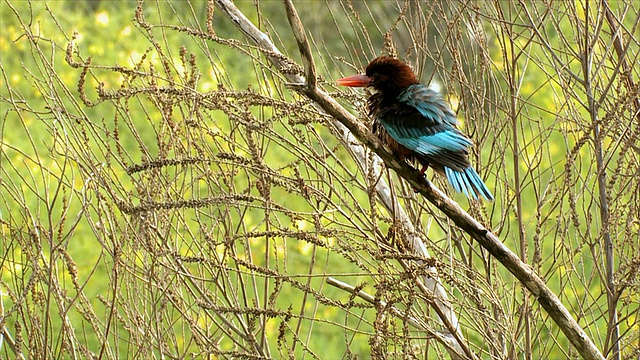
(72,209)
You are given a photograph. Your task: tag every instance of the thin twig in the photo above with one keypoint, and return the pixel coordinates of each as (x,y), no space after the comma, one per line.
(412,320)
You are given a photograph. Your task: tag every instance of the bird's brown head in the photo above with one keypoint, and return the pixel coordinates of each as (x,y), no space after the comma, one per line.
(385,74)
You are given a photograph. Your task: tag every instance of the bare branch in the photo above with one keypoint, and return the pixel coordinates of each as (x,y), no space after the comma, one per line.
(303,44)
(471,226)
(432,283)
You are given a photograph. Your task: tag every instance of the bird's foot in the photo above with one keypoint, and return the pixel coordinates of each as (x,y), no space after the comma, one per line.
(424,169)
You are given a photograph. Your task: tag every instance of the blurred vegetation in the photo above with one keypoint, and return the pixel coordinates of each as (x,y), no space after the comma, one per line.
(163,191)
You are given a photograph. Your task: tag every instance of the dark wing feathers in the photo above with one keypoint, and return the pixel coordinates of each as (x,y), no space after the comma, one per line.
(421,121)
(417,123)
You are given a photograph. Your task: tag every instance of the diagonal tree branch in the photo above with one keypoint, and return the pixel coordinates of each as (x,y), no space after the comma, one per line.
(524,273)
(432,285)
(455,342)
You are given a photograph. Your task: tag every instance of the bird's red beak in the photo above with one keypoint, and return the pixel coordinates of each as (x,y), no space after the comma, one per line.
(355,81)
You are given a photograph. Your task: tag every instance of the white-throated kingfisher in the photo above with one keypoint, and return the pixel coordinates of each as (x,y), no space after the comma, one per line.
(416,123)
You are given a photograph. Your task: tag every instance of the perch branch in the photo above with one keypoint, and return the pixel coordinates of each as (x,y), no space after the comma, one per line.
(524,273)
(438,295)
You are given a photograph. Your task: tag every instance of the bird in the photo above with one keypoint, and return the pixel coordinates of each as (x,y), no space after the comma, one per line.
(417,124)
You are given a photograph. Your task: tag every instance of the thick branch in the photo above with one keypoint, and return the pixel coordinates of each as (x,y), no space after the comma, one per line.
(485,238)
(523,272)
(455,344)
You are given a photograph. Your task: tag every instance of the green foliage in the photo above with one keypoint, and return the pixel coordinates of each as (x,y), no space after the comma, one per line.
(164,191)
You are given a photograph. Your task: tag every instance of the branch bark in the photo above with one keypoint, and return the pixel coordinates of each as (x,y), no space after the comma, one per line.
(343,119)
(455,342)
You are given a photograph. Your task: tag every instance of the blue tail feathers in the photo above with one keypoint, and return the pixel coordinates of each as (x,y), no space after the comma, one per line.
(468,182)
